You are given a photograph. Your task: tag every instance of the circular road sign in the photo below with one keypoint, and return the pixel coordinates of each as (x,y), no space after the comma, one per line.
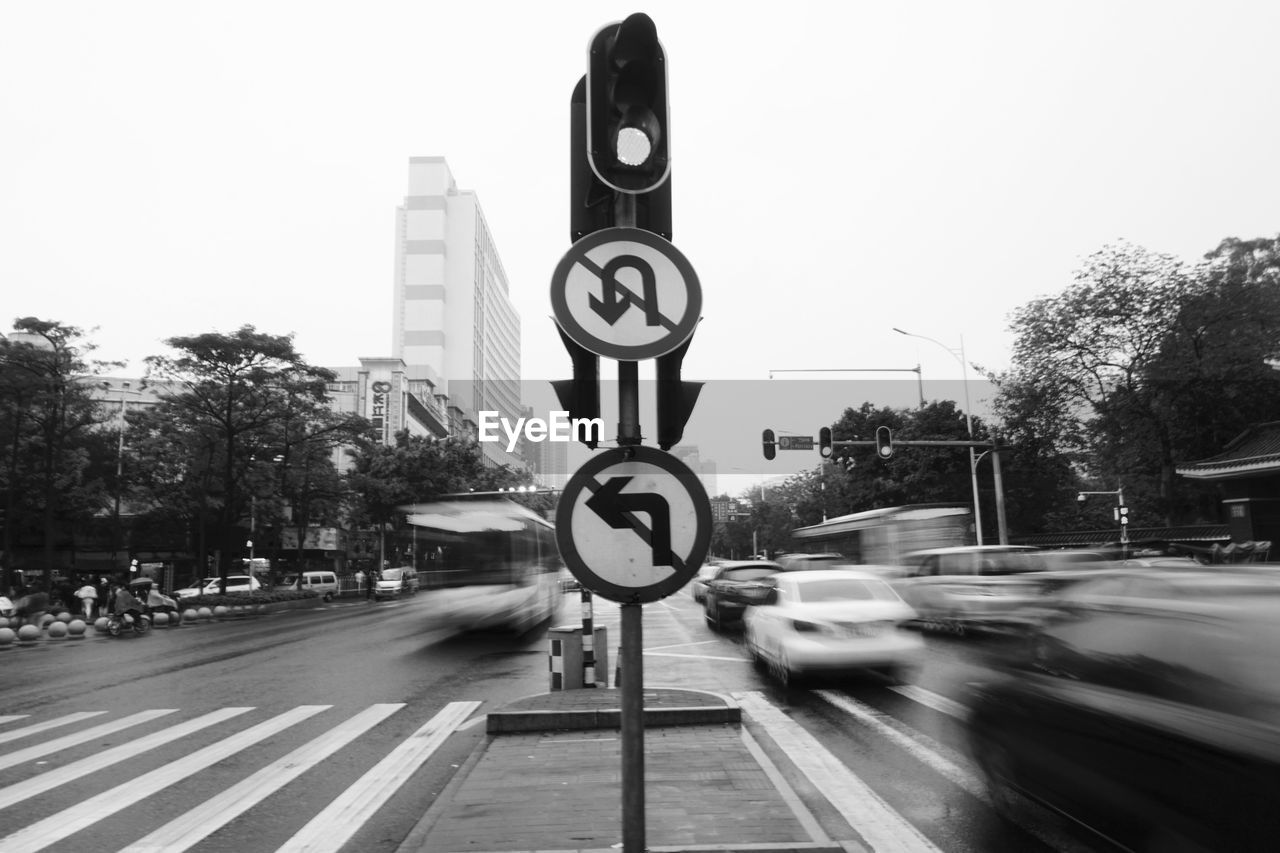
(627,294)
(633,524)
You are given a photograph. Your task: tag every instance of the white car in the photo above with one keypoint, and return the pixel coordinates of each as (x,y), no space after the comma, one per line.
(832,621)
(210,586)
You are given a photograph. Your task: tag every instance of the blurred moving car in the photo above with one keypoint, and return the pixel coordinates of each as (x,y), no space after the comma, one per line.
(797,561)
(733,586)
(320,581)
(832,621)
(1148,710)
(210,586)
(976,586)
(698,586)
(402,580)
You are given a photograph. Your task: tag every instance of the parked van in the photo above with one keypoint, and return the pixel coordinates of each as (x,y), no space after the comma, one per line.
(322,582)
(402,580)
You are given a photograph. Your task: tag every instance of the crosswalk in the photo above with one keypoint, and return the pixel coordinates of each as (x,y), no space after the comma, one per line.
(328,831)
(41,763)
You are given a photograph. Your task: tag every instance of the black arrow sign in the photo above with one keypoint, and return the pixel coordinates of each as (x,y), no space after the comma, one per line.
(616,300)
(614,508)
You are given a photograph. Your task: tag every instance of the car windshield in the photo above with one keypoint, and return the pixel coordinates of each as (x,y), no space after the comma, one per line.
(846,589)
(391,574)
(753,573)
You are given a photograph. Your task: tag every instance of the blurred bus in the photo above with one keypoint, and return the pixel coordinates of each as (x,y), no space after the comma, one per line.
(886,536)
(486,563)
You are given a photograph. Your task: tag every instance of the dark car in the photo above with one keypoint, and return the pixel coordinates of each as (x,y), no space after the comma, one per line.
(733,587)
(1148,710)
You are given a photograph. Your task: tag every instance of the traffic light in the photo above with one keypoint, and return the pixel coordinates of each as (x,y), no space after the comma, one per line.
(580,396)
(676,398)
(1122,514)
(824,442)
(592,204)
(884,442)
(770,448)
(627,125)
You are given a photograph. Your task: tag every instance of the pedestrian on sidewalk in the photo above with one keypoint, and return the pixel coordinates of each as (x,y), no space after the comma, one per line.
(88,596)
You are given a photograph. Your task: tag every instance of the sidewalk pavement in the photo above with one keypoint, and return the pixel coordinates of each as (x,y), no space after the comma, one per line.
(548,777)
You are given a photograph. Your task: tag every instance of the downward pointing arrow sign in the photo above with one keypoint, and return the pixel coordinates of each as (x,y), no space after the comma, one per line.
(615,508)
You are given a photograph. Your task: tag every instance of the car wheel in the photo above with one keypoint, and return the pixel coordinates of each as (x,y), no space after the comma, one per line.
(113,628)
(711,613)
(997,768)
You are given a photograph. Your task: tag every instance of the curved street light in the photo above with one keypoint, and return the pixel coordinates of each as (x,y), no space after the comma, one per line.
(968,421)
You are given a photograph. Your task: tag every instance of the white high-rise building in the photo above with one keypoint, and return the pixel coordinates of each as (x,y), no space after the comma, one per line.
(454,325)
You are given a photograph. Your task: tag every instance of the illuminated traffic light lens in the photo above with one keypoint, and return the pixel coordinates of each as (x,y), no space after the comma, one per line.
(633,146)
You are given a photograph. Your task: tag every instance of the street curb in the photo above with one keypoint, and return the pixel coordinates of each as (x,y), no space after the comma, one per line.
(413,842)
(508,722)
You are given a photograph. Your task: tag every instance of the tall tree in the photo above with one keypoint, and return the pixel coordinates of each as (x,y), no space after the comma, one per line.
(49,415)
(237,390)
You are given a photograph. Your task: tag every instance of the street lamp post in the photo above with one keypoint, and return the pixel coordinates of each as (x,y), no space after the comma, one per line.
(115,515)
(968,420)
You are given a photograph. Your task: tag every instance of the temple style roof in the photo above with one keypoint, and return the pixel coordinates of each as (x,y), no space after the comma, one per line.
(1254,452)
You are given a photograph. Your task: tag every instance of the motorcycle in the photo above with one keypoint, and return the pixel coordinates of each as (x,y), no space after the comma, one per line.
(118,624)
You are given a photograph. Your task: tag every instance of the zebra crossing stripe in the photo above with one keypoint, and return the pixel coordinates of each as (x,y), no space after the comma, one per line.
(11,717)
(86,736)
(338,821)
(56,827)
(29,788)
(47,724)
(884,830)
(186,831)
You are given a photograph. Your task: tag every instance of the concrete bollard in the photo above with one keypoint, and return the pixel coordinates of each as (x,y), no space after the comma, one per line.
(190,616)
(7,636)
(57,630)
(76,629)
(160,620)
(205,614)
(28,635)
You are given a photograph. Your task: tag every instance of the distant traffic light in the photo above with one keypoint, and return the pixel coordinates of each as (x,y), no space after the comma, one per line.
(770,447)
(1122,514)
(884,442)
(824,442)
(627,123)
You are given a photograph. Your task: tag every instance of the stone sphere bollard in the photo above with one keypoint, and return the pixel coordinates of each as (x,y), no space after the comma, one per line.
(160,619)
(221,611)
(100,624)
(76,629)
(7,636)
(205,614)
(4,622)
(45,621)
(57,630)
(63,616)
(190,615)
(28,634)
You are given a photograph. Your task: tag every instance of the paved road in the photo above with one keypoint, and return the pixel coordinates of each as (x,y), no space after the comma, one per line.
(335,728)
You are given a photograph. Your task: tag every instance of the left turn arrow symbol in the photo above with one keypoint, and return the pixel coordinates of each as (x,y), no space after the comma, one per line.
(613,507)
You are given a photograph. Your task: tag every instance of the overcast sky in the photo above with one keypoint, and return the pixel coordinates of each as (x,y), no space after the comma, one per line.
(840,168)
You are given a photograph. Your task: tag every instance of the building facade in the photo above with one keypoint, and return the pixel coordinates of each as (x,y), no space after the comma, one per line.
(454,325)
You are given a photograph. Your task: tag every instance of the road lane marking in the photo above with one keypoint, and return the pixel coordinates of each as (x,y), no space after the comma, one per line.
(56,827)
(942,760)
(696,657)
(11,717)
(921,746)
(876,821)
(682,645)
(48,724)
(932,700)
(338,821)
(85,736)
(28,788)
(186,831)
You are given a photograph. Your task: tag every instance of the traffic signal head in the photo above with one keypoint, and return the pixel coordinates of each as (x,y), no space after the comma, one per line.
(884,442)
(770,447)
(627,123)
(580,396)
(676,398)
(824,442)
(1122,514)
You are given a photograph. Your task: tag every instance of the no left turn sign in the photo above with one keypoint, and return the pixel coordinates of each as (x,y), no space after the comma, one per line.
(633,524)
